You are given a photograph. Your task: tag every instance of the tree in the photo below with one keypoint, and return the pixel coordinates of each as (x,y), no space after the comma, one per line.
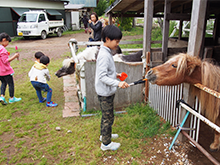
(102,5)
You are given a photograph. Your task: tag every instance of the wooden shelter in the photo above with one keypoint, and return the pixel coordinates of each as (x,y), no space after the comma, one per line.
(195,11)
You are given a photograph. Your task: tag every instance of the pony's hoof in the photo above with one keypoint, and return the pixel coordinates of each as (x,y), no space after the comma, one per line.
(214,148)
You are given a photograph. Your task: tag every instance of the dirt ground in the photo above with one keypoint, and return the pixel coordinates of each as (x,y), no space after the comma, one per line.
(157,152)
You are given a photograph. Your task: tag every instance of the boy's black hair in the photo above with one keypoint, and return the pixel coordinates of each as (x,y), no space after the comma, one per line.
(45,60)
(38,55)
(112,32)
(6,36)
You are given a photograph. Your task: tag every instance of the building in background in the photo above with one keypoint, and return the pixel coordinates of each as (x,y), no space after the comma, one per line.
(75,11)
(11,10)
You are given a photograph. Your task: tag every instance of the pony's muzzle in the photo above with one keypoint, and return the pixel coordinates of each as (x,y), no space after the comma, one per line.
(150,76)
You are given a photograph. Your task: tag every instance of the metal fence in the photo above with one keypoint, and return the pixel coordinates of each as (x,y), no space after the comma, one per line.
(163,100)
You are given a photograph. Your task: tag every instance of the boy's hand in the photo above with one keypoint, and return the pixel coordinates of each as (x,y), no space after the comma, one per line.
(118,75)
(123,84)
(90,21)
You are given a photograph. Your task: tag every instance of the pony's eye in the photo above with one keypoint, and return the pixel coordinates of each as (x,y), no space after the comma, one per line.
(173,65)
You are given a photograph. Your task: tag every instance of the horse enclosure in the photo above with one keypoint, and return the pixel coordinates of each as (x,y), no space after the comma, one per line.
(198,44)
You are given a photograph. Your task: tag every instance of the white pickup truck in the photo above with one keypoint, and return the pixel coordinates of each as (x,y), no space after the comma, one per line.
(36,23)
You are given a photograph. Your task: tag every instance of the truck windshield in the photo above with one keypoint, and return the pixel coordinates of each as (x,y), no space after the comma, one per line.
(28,17)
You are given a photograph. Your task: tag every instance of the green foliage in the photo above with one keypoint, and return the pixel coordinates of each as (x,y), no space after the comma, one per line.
(172,26)
(125,24)
(111,1)
(102,5)
(156,36)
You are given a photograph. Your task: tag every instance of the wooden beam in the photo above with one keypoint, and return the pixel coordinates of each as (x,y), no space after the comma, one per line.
(135,3)
(178,16)
(167,9)
(127,15)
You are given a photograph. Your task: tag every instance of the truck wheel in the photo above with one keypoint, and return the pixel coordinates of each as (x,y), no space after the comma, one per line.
(59,33)
(43,35)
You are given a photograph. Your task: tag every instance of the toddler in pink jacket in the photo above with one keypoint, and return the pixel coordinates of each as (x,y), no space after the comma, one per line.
(6,71)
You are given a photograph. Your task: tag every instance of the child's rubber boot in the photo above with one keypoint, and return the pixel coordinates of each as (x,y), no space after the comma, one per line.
(3,101)
(51,104)
(13,100)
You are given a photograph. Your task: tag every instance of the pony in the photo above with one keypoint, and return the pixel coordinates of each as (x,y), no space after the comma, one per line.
(69,65)
(184,68)
(90,54)
(134,57)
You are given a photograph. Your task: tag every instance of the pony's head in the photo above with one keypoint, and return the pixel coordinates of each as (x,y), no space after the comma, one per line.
(178,69)
(69,67)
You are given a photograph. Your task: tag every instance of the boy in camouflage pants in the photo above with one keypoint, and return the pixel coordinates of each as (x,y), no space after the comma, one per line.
(106,85)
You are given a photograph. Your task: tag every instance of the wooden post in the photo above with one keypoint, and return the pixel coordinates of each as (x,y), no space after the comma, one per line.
(167,9)
(216,27)
(196,37)
(146,82)
(110,18)
(148,19)
(180,29)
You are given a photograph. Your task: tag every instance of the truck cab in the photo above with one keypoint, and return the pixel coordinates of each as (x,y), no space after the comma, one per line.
(36,23)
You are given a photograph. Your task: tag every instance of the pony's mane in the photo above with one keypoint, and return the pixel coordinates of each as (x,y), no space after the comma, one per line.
(186,64)
(67,62)
(211,78)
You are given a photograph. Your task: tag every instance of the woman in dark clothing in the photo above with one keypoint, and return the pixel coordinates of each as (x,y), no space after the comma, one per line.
(96,26)
(85,22)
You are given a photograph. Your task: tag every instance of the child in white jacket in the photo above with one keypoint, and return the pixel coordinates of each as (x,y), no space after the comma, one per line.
(39,75)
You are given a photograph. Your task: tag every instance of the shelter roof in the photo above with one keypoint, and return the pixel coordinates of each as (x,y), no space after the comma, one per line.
(136,7)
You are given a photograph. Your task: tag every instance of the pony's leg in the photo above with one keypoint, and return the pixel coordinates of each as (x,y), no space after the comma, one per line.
(216,144)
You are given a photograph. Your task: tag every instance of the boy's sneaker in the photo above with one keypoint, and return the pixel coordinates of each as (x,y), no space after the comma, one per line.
(43,100)
(3,101)
(51,104)
(14,99)
(114,136)
(111,146)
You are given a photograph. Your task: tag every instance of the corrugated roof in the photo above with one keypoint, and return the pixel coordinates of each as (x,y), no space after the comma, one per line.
(87,3)
(74,6)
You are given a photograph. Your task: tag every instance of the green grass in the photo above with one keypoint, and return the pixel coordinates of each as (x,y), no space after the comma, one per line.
(155,36)
(73,32)
(28,135)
